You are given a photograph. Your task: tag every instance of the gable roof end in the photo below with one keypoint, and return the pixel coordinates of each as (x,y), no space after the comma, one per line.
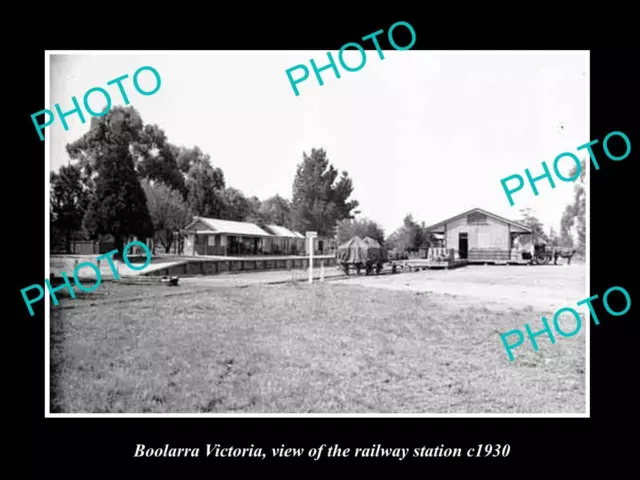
(489,214)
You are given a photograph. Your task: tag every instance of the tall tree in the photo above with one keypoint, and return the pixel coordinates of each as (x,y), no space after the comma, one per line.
(253,215)
(186,157)
(276,210)
(566,224)
(119,205)
(411,236)
(168,211)
(204,185)
(235,206)
(69,201)
(361,227)
(122,125)
(574,215)
(553,237)
(155,159)
(580,209)
(320,198)
(528,218)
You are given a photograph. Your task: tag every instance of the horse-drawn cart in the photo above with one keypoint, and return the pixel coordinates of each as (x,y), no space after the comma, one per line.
(543,254)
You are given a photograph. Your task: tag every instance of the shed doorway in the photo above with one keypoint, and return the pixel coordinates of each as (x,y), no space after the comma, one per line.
(463,245)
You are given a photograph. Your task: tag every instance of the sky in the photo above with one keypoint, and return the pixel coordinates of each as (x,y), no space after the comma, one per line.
(422,132)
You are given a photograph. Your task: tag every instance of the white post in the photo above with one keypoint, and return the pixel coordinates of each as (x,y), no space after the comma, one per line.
(311,260)
(310,236)
(322,270)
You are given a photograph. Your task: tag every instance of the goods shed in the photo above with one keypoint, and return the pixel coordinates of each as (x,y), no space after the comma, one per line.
(478,236)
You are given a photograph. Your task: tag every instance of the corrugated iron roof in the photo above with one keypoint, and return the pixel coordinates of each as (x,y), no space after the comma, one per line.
(232,228)
(279,231)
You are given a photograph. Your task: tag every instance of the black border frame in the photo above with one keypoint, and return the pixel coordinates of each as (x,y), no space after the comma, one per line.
(83,447)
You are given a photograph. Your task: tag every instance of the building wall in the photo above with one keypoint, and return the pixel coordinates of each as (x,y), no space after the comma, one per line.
(222,244)
(328,245)
(283,245)
(210,244)
(492,234)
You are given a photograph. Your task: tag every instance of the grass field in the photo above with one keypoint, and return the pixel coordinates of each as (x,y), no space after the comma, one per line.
(321,348)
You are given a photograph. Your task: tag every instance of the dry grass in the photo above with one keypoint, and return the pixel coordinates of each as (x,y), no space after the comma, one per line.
(322,348)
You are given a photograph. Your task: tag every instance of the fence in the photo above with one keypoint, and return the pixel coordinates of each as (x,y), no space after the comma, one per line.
(213,267)
(82,247)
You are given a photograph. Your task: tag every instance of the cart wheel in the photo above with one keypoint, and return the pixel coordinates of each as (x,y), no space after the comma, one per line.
(541,259)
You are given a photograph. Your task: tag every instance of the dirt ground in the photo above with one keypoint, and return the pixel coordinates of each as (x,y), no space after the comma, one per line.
(545,287)
(425,342)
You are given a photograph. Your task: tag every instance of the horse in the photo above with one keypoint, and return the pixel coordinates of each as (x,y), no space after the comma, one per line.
(563,253)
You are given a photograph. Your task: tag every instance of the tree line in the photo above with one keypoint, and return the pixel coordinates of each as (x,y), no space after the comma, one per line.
(412,236)
(125,179)
(573,226)
(574,215)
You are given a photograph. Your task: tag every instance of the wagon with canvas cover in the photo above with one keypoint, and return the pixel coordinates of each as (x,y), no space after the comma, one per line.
(359,253)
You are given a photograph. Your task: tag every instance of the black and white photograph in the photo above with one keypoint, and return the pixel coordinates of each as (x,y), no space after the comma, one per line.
(225,237)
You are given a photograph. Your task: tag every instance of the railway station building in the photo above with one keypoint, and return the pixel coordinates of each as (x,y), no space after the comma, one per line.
(479,236)
(215,237)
